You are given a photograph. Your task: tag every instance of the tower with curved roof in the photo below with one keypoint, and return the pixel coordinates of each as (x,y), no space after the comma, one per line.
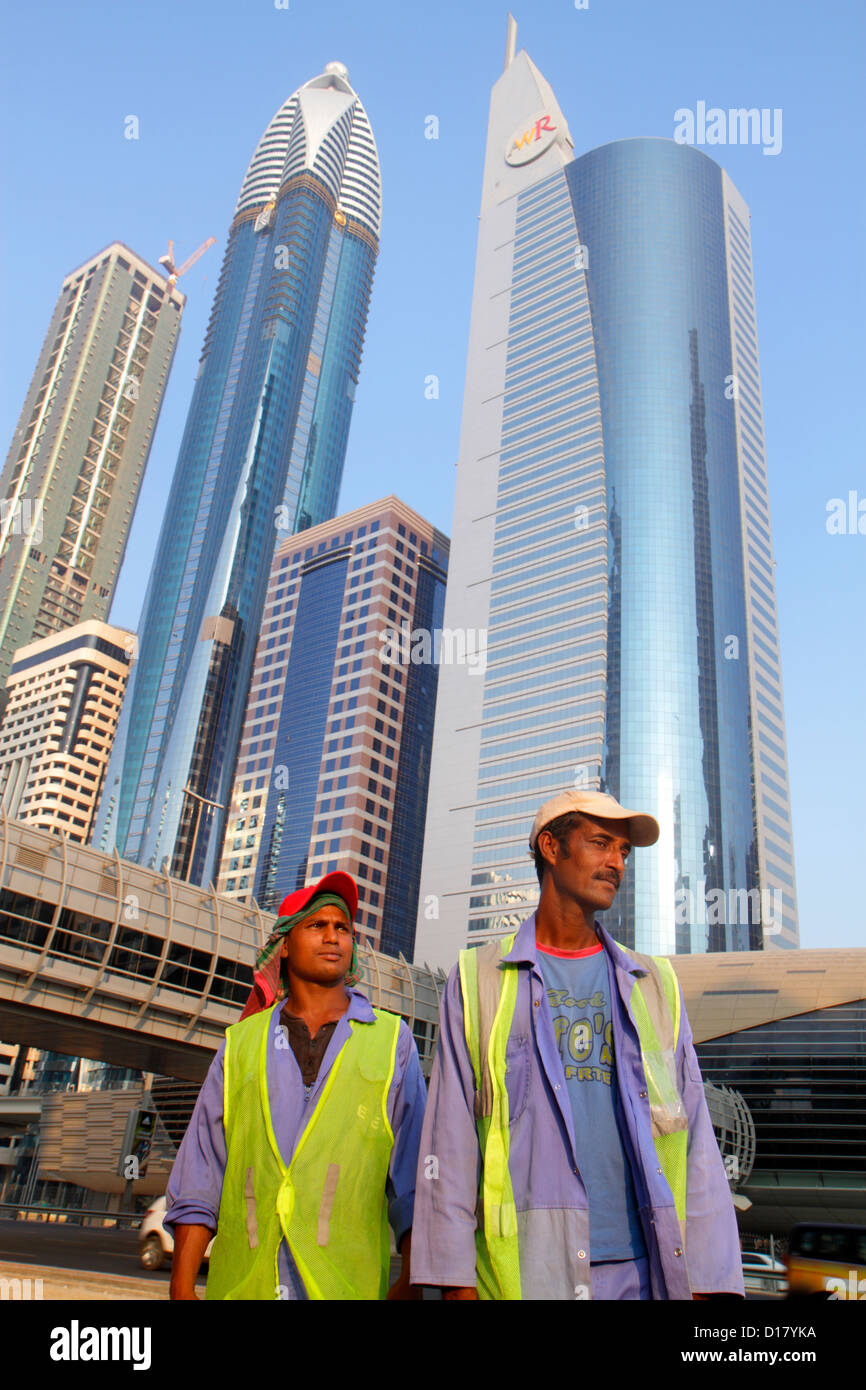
(261,457)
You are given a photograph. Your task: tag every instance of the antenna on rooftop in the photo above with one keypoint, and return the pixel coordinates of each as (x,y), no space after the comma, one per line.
(510,41)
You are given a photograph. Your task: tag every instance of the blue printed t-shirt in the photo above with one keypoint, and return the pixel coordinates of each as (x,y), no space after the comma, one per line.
(578,992)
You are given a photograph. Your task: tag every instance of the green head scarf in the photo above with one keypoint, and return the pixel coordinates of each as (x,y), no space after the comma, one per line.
(270,978)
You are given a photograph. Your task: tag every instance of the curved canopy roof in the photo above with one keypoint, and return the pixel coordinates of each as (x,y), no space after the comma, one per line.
(727,991)
(322,128)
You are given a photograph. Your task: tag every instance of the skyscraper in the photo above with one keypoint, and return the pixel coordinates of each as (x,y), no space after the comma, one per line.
(262,454)
(611,532)
(71,478)
(335,752)
(65,693)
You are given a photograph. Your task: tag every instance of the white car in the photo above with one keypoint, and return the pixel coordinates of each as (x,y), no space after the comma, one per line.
(155,1243)
(761,1274)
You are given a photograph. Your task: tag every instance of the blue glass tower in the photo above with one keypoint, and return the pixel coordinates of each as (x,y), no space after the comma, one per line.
(612,535)
(333,763)
(262,455)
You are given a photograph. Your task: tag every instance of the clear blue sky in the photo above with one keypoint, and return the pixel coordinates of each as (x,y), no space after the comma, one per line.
(204,77)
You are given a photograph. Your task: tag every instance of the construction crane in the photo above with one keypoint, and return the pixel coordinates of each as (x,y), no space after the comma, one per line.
(174,273)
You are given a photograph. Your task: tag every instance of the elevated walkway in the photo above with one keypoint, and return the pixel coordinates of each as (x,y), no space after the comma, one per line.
(106,959)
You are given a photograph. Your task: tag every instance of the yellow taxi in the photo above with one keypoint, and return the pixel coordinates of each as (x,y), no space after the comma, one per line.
(827,1260)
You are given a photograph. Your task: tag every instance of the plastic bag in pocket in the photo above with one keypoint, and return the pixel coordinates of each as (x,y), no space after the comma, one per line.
(666,1106)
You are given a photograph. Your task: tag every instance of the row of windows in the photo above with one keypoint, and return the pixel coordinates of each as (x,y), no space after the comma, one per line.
(571,653)
(535,470)
(777,829)
(507,726)
(772,688)
(536,519)
(134,953)
(538,700)
(533,210)
(533,270)
(554,408)
(758,607)
(576,568)
(568,487)
(753,462)
(550,625)
(527,295)
(546,310)
(773,724)
(547,389)
(769,634)
(774,806)
(511,611)
(775,874)
(771,670)
(569,540)
(778,853)
(774,786)
(761,587)
(741,276)
(522,776)
(538,375)
(756,494)
(543,745)
(751,414)
(535,350)
(540,238)
(514,855)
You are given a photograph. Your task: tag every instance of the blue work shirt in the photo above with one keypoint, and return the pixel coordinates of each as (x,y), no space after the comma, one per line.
(579,994)
(550,1197)
(195,1186)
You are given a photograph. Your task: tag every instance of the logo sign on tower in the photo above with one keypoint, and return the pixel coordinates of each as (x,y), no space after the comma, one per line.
(531,140)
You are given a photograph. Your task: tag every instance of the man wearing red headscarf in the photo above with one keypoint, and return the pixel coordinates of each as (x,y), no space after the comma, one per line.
(304,1140)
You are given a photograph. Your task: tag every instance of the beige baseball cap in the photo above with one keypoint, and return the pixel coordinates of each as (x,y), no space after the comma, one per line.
(642,829)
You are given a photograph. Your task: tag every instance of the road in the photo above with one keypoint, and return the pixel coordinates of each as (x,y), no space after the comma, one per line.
(104,1250)
(98,1249)
(107,1250)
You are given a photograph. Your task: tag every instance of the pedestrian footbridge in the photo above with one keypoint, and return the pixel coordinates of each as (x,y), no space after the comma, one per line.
(102,958)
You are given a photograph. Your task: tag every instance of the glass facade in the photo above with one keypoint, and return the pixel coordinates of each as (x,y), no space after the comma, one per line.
(804,1080)
(334,759)
(262,454)
(617,577)
(547,625)
(411,777)
(651,217)
(611,532)
(767,722)
(291,798)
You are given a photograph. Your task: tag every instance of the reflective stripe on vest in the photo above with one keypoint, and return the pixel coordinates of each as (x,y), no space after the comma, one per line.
(489,1000)
(490,996)
(329,1203)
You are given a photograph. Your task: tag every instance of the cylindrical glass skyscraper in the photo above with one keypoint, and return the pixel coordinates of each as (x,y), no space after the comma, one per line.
(677,687)
(262,455)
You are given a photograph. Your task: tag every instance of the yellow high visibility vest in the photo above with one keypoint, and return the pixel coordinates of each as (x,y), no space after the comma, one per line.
(489,999)
(329,1203)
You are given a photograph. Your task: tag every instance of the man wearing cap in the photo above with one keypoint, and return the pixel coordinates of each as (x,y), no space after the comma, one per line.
(567,1150)
(304,1140)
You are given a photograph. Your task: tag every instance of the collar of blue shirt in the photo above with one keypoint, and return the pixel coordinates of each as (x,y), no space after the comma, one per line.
(359,1008)
(525,950)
